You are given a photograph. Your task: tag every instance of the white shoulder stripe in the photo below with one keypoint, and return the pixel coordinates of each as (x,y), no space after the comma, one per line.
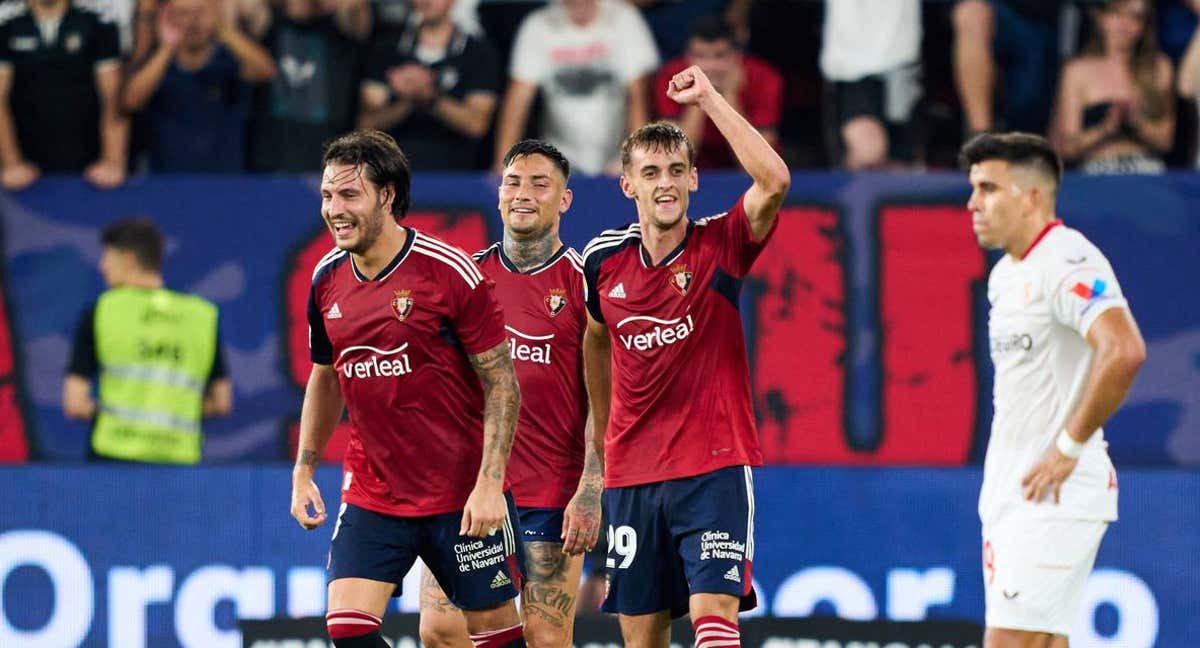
(607,238)
(707,219)
(471,281)
(452,255)
(576,262)
(599,244)
(327,259)
(478,256)
(451,252)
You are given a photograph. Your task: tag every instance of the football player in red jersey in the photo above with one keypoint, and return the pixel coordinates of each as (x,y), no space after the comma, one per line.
(669,382)
(408,335)
(555,471)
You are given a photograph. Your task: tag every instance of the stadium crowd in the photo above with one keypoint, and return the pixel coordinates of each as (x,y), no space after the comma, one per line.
(109,88)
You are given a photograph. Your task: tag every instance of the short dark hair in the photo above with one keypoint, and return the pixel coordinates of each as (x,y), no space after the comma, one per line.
(659,135)
(712,27)
(138,235)
(539,147)
(385,163)
(1023,149)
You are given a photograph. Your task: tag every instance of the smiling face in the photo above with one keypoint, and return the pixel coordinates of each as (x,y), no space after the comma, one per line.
(659,181)
(354,208)
(533,196)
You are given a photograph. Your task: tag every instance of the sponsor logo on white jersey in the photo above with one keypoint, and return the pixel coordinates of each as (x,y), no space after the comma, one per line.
(617,292)
(664,332)
(380,364)
(529,348)
(1011,343)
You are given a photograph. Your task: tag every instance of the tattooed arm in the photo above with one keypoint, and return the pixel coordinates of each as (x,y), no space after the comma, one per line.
(485,510)
(581,520)
(321,412)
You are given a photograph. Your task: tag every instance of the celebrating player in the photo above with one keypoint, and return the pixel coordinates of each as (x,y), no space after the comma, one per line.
(1066,350)
(398,320)
(664,349)
(540,284)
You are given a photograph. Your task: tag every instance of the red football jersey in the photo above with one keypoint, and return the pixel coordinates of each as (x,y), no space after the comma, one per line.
(680,380)
(399,343)
(545,318)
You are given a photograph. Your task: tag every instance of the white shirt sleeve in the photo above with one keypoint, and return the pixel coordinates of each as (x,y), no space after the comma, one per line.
(637,54)
(530,60)
(1082,286)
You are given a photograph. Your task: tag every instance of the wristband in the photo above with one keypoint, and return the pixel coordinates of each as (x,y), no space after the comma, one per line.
(1070,448)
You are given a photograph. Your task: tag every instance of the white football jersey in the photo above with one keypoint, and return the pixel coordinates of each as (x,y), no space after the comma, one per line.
(1041,308)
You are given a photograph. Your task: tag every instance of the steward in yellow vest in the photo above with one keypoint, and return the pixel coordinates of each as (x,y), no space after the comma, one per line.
(156,353)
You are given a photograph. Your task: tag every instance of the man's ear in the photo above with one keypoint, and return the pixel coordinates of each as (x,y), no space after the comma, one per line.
(627,188)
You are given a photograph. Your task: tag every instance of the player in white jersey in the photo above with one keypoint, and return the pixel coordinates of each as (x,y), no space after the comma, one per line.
(1066,350)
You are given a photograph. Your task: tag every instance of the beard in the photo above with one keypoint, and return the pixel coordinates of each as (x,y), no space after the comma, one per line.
(370,227)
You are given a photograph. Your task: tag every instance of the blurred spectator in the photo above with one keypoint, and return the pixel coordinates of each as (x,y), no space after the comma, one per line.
(59,109)
(499,21)
(1018,40)
(1116,109)
(749,84)
(318,47)
(157,354)
(193,85)
(671,20)
(433,88)
(870,58)
(590,58)
(1188,83)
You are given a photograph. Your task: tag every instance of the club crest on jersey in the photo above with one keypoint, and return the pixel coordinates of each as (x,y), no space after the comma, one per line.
(556,301)
(402,304)
(681,278)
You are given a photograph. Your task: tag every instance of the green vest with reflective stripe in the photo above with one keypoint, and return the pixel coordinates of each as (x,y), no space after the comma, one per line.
(155,350)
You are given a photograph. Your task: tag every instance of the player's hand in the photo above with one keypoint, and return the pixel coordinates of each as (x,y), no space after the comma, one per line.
(484,513)
(18,176)
(581,520)
(104,174)
(305,494)
(690,87)
(1048,475)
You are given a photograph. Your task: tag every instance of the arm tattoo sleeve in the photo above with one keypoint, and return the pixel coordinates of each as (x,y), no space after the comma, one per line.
(502,401)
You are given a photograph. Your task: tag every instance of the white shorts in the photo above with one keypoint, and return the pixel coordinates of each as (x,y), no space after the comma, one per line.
(1034,571)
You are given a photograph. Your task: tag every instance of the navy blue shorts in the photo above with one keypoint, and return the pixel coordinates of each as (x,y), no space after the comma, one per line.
(475,573)
(541,524)
(668,540)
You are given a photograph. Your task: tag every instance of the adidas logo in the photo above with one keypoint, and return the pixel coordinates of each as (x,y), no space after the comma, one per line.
(733,575)
(500,580)
(335,312)
(618,292)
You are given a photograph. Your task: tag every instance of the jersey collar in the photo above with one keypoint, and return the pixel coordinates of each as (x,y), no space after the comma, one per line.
(512,267)
(390,267)
(1041,235)
(645,256)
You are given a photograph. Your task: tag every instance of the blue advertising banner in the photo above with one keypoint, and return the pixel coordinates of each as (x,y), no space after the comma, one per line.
(864,317)
(163,557)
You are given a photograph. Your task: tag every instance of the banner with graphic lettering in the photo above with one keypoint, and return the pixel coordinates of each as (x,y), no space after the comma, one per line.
(159,557)
(865,317)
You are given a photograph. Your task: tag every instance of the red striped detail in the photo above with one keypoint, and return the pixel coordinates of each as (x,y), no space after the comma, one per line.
(514,571)
(350,623)
(498,638)
(715,632)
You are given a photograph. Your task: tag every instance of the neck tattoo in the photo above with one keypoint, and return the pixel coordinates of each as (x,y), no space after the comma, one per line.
(530,253)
